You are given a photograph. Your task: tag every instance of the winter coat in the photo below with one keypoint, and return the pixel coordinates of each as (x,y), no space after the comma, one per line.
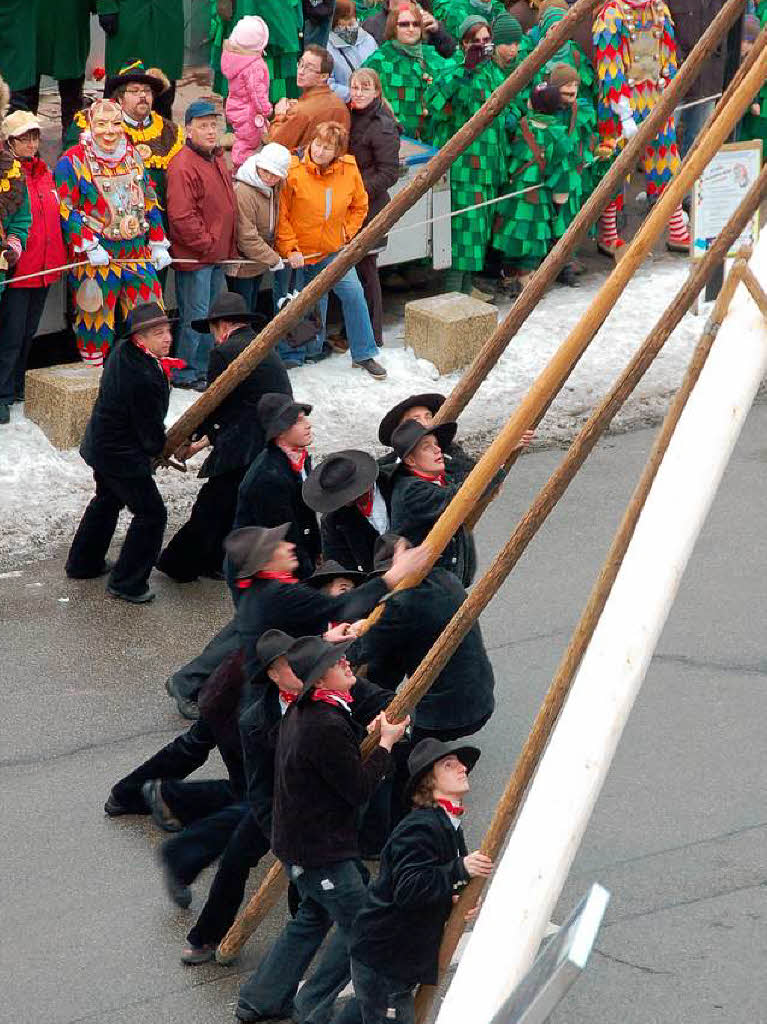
(347,57)
(127,426)
(374,144)
(321,209)
(247,106)
(461,697)
(152,30)
(202,209)
(399,929)
(44,246)
(18,25)
(441,40)
(258,209)
(416,505)
(64,41)
(691,19)
(295,129)
(234,428)
(271,495)
(348,537)
(320,785)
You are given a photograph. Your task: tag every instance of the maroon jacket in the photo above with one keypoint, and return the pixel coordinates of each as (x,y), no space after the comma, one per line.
(202,209)
(44,246)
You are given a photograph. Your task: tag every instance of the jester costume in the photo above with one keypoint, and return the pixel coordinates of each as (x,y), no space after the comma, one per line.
(452,13)
(285,19)
(636,56)
(406,73)
(569,53)
(108,200)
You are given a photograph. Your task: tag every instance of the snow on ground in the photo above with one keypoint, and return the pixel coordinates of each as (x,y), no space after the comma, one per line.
(44,491)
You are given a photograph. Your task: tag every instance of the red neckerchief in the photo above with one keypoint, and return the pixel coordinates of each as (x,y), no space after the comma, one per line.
(365,502)
(439,480)
(455,809)
(331,696)
(166,363)
(265,574)
(296,457)
(288,697)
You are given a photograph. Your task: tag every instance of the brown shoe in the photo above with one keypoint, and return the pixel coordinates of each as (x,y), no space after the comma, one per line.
(372,367)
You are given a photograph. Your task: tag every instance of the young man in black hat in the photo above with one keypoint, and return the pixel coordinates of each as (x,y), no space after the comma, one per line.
(125,433)
(346,491)
(271,492)
(320,783)
(424,865)
(236,435)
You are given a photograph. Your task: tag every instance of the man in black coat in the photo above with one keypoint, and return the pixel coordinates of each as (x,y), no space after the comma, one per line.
(235,433)
(125,433)
(345,489)
(271,492)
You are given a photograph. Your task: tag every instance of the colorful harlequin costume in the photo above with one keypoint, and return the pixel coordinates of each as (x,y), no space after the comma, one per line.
(406,73)
(635,57)
(108,201)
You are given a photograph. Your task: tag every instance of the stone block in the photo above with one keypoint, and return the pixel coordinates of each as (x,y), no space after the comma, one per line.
(59,399)
(448,330)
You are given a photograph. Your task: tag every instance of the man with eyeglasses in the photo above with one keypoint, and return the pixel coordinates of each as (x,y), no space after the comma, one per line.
(295,121)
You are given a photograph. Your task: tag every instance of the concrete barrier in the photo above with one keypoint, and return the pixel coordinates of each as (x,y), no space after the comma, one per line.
(448,330)
(59,400)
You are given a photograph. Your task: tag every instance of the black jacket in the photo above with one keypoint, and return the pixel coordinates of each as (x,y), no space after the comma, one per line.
(348,537)
(234,428)
(127,426)
(461,696)
(374,144)
(458,464)
(691,19)
(320,785)
(270,494)
(399,929)
(441,40)
(416,505)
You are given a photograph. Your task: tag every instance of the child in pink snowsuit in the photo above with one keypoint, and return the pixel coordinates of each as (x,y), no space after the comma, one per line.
(248,106)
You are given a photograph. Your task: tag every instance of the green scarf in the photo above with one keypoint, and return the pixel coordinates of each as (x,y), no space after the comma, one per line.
(414,52)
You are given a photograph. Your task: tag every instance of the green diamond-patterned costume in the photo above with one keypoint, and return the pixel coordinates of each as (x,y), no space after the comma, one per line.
(480,171)
(569,53)
(453,12)
(541,157)
(285,19)
(406,73)
(580,124)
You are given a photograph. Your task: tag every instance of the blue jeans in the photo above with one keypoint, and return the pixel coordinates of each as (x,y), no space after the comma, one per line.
(195,290)
(359,331)
(247,287)
(378,999)
(329,895)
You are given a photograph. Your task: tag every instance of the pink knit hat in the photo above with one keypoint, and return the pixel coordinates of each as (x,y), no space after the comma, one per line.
(250,33)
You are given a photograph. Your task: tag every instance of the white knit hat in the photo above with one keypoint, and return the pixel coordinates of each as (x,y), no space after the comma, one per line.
(275,158)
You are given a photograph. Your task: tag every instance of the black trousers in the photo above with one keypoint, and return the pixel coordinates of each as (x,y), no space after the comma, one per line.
(192,850)
(70,92)
(142,542)
(189,679)
(177,759)
(198,547)
(20,312)
(193,801)
(244,850)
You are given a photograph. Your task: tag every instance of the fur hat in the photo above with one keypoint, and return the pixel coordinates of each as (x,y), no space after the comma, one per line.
(5,97)
(563,74)
(250,33)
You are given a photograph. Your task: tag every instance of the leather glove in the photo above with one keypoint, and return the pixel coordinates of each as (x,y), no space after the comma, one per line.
(97,256)
(110,23)
(160,256)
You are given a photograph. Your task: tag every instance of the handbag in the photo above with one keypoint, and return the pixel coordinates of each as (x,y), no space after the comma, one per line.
(310,324)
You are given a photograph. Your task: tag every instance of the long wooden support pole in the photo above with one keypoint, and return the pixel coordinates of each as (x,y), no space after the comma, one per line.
(554,375)
(379,225)
(548,831)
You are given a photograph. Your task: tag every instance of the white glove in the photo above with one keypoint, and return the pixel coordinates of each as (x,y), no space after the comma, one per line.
(160,256)
(628,125)
(279,265)
(97,256)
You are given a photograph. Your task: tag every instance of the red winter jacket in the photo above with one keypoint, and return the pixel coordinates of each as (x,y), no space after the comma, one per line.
(45,246)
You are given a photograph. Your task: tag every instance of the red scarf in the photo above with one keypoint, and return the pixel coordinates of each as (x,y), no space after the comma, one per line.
(296,457)
(166,363)
(265,574)
(288,697)
(365,502)
(329,696)
(455,809)
(439,480)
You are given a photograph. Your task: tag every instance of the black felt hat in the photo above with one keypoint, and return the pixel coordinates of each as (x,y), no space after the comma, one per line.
(229,306)
(431,401)
(383,552)
(271,645)
(133,72)
(425,755)
(250,548)
(278,412)
(408,434)
(144,316)
(330,571)
(310,657)
(339,479)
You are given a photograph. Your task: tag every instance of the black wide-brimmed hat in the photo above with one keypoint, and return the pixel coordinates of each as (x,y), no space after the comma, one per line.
(144,316)
(271,645)
(383,552)
(277,412)
(133,72)
(331,570)
(408,434)
(389,423)
(229,306)
(250,548)
(339,479)
(425,755)
(310,657)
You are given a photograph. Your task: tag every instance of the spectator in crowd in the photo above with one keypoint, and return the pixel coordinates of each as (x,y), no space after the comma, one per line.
(247,106)
(323,207)
(434,33)
(453,13)
(21,305)
(374,143)
(295,121)
(691,19)
(202,212)
(284,19)
(318,17)
(407,68)
(349,45)
(258,186)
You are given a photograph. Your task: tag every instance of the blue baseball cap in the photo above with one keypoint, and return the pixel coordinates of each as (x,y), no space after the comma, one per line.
(200,108)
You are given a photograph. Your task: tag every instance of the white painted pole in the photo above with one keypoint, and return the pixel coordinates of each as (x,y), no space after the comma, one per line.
(550,827)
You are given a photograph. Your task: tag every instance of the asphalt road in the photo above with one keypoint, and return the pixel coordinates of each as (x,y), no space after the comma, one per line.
(678,835)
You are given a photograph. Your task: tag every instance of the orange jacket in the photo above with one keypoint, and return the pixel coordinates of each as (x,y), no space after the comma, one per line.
(321,209)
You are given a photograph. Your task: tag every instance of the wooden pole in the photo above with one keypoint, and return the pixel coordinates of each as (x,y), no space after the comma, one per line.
(379,225)
(554,375)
